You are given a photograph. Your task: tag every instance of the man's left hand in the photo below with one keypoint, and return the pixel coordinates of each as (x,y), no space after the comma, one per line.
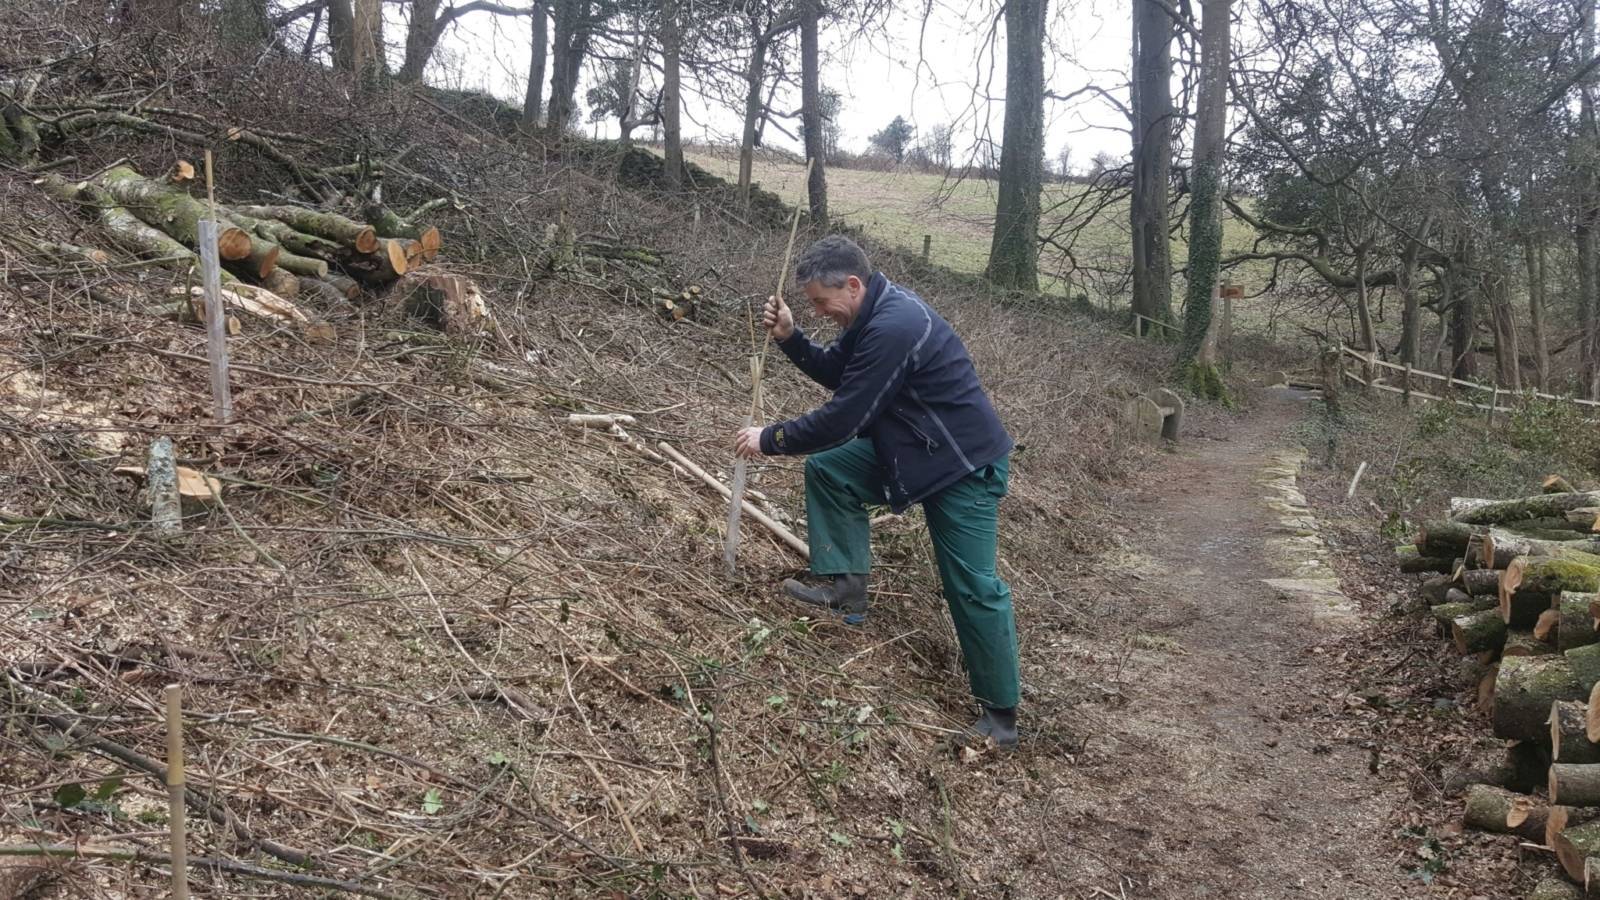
(747,443)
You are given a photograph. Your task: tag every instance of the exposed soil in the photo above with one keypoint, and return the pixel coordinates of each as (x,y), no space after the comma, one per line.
(1237,783)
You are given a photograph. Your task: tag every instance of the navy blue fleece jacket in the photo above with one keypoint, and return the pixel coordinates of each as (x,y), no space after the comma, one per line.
(901,378)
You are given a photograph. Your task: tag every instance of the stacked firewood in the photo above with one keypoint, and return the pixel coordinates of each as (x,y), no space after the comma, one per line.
(1517,588)
(272,253)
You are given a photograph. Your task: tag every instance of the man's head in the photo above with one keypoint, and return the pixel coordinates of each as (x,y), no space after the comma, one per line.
(833,273)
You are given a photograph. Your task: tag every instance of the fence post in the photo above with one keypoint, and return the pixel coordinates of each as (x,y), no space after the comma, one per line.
(1494,401)
(1405,387)
(927,247)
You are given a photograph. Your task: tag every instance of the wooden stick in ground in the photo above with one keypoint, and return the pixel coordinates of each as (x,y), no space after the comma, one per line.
(730,542)
(784,534)
(175,794)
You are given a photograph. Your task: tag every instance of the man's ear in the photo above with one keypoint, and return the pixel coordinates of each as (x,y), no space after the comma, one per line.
(856,287)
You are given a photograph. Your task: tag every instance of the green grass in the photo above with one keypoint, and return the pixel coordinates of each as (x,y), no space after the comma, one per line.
(898,208)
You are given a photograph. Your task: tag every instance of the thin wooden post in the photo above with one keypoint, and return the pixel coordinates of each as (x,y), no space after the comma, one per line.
(1227,330)
(927,247)
(216,318)
(1405,386)
(1494,401)
(175,797)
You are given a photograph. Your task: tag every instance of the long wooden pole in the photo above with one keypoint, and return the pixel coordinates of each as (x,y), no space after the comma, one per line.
(175,792)
(216,317)
(730,543)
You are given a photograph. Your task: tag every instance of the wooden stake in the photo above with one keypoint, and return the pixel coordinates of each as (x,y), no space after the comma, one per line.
(730,544)
(1360,470)
(175,799)
(216,318)
(927,247)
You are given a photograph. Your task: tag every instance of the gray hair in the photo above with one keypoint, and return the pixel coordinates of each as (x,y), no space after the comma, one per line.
(831,261)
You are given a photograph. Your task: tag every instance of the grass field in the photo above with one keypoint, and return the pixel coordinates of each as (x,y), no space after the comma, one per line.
(901,207)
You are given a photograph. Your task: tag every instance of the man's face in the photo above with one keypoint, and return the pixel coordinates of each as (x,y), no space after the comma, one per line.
(838,305)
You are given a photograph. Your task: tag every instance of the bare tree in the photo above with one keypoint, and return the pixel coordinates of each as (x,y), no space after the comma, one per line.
(1152,159)
(533,101)
(671,87)
(811,114)
(1014,252)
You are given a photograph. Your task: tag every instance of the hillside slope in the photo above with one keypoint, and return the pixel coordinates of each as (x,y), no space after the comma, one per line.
(434,641)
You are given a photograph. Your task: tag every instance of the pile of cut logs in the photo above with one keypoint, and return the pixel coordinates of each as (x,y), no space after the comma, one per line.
(283,250)
(1517,588)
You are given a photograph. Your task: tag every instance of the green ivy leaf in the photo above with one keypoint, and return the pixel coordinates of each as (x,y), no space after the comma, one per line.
(432,803)
(107,788)
(70,795)
(840,838)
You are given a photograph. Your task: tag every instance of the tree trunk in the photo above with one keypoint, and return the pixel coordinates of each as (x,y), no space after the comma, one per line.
(1369,340)
(533,102)
(243,24)
(1584,147)
(1463,332)
(572,32)
(1014,251)
(422,35)
(1152,160)
(671,85)
(1411,306)
(1205,206)
(367,41)
(754,75)
(811,115)
(1508,368)
(1533,256)
(342,35)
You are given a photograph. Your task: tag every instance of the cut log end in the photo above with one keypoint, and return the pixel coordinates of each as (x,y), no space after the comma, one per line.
(366,240)
(1592,716)
(1510,580)
(431,242)
(234,244)
(1545,628)
(1555,484)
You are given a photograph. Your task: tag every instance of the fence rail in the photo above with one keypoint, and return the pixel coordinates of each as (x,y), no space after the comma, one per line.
(1372,364)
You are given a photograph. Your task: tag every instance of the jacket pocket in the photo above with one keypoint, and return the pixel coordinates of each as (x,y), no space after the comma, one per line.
(921,435)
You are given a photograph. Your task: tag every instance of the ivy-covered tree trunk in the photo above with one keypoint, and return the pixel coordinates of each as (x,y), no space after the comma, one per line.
(1410,302)
(1014,252)
(1585,156)
(574,27)
(533,100)
(671,89)
(243,23)
(1152,160)
(811,114)
(1198,354)
(1533,257)
(342,35)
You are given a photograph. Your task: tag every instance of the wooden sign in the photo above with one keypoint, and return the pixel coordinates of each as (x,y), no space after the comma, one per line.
(1232,291)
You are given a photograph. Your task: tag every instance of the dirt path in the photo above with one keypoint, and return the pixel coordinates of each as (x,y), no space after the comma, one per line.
(1249,788)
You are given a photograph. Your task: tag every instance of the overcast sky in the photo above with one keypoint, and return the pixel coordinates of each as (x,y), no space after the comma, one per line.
(957,75)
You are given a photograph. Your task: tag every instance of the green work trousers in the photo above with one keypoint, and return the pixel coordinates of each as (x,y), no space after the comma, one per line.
(962,520)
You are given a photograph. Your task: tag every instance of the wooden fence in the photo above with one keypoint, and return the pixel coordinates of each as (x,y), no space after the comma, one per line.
(1371,376)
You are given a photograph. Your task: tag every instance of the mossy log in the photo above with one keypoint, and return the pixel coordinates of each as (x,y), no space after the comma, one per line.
(1478,631)
(283,283)
(1500,512)
(1569,736)
(349,287)
(1575,611)
(1445,537)
(1412,562)
(1574,845)
(1481,582)
(305,266)
(123,227)
(1525,689)
(1501,546)
(1436,589)
(1531,584)
(1555,889)
(1445,614)
(1523,642)
(175,213)
(348,233)
(285,236)
(387,263)
(390,224)
(1488,808)
(322,291)
(1560,818)
(1585,518)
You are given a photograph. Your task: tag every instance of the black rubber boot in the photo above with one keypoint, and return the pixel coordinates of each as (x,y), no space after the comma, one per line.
(847,596)
(999,725)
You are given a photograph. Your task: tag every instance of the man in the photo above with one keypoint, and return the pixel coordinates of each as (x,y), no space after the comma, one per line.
(908,423)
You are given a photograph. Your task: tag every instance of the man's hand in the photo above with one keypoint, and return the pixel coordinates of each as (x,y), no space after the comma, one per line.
(747,443)
(777,319)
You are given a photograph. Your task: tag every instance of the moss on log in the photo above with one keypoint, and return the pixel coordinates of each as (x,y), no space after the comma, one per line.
(1481,582)
(174,212)
(1523,642)
(304,266)
(332,226)
(1488,807)
(1555,889)
(1413,562)
(1501,547)
(1532,584)
(1575,627)
(1525,689)
(1569,736)
(1478,631)
(1500,512)
(1445,537)
(1575,845)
